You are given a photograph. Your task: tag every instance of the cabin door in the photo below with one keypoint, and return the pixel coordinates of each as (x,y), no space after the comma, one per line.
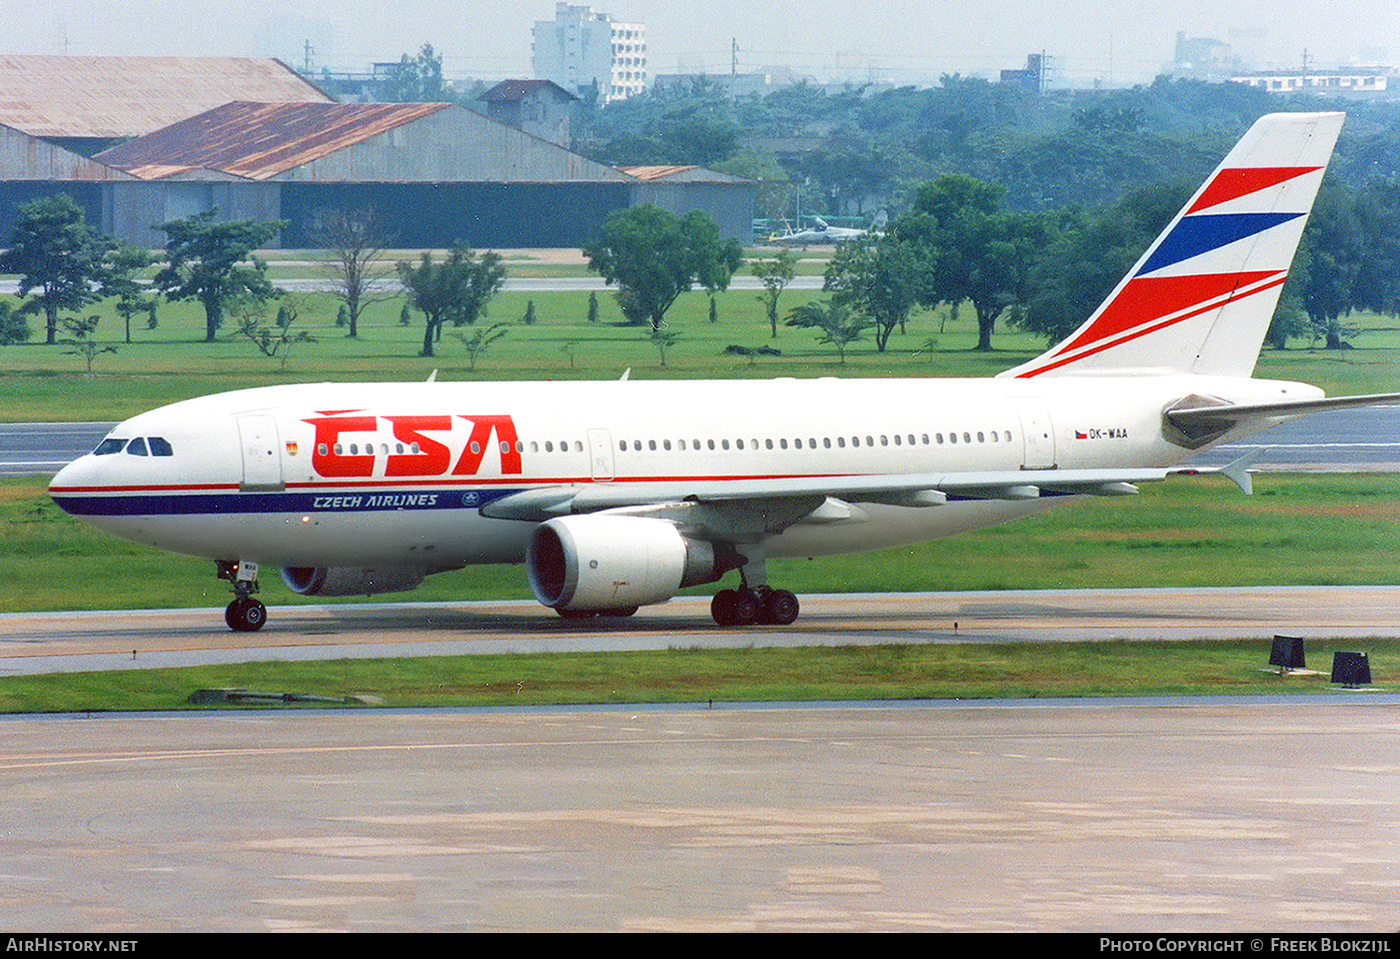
(262,453)
(600,453)
(1039,433)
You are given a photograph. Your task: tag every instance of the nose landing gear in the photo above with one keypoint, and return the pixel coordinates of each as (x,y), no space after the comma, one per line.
(245,614)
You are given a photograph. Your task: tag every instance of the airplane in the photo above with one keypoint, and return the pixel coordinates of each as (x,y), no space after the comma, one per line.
(821,233)
(616,495)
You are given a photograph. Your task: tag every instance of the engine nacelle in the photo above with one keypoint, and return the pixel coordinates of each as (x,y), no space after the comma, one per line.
(607,562)
(352,580)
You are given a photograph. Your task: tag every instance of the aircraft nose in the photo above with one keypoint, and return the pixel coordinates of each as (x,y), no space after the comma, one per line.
(71,478)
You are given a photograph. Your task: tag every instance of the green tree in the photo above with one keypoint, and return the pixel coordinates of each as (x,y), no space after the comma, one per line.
(457,290)
(977,251)
(880,277)
(479,340)
(123,267)
(57,257)
(1335,249)
(836,324)
(82,337)
(653,256)
(775,275)
(205,262)
(14,328)
(416,79)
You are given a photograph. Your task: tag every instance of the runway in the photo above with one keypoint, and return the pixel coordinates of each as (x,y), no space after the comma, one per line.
(32,643)
(1238,816)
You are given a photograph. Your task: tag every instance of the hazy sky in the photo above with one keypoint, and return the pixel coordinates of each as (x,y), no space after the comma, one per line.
(1113,42)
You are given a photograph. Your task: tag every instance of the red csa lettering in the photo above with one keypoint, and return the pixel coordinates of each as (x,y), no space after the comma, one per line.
(325,460)
(475,451)
(433,457)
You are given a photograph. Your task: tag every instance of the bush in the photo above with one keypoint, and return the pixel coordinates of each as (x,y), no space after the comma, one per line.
(14,326)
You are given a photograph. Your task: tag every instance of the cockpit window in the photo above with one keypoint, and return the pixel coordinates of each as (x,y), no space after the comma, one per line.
(161,447)
(137,447)
(109,446)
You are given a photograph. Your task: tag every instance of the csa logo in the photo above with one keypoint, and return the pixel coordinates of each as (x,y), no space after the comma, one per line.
(438,445)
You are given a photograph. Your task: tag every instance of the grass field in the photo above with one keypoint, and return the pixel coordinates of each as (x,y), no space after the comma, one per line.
(172,362)
(1295,530)
(841,673)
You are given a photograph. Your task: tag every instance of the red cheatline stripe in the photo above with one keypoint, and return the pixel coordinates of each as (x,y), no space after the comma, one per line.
(1235,183)
(1151,329)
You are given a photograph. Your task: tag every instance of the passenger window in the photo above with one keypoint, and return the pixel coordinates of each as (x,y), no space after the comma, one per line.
(108,447)
(137,447)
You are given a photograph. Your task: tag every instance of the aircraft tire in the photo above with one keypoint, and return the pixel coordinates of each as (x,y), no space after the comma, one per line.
(780,608)
(722,605)
(736,607)
(245,615)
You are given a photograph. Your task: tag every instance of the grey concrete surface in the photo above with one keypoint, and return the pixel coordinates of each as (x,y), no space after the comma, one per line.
(1037,816)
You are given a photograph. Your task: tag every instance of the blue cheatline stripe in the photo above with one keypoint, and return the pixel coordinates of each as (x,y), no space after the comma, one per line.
(199,504)
(1203,233)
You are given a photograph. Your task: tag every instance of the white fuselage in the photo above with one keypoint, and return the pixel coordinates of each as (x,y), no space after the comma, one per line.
(396,474)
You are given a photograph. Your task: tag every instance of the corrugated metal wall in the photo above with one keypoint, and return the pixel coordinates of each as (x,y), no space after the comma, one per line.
(482,215)
(15,193)
(135,210)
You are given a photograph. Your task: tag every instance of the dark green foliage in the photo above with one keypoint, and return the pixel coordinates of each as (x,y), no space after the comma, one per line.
(456,290)
(14,326)
(57,257)
(653,256)
(205,262)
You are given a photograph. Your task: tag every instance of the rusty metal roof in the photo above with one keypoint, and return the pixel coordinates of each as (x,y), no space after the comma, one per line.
(680,174)
(258,141)
(105,97)
(654,172)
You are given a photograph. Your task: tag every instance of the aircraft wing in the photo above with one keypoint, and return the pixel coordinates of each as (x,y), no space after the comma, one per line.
(740,509)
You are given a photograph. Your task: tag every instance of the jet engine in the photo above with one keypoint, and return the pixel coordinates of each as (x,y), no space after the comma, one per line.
(600,562)
(352,580)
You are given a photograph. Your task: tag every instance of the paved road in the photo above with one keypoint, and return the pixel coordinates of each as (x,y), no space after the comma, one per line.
(1360,440)
(32,643)
(1095,816)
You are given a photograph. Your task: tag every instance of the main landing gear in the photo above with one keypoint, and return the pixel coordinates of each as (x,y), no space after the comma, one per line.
(754,607)
(245,614)
(754,603)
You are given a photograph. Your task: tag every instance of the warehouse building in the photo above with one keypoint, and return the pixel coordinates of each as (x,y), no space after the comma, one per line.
(87,104)
(434,174)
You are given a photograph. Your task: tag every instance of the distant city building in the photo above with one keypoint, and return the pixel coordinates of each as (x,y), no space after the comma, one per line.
(581,50)
(537,107)
(1339,82)
(1202,58)
(1030,79)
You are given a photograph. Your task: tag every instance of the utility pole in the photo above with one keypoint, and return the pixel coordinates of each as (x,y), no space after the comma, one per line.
(733,56)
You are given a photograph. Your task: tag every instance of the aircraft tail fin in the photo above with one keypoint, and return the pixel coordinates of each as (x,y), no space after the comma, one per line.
(1201,298)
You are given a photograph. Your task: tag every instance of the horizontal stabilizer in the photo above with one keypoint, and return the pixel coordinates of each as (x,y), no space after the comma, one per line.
(1199,425)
